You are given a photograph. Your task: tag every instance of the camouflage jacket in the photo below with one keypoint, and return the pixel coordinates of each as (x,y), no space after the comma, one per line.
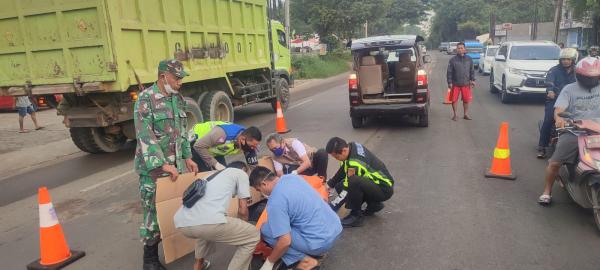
(160,127)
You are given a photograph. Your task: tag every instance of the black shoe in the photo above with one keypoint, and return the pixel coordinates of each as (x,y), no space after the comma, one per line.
(151,261)
(354,219)
(541,153)
(373,208)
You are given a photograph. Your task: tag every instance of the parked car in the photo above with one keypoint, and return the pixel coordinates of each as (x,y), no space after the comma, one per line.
(520,68)
(451,48)
(488,59)
(474,50)
(443,47)
(389,79)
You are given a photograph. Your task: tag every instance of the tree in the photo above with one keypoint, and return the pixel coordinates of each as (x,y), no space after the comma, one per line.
(588,10)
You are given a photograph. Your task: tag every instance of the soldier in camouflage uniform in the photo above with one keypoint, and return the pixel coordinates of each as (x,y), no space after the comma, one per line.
(162,147)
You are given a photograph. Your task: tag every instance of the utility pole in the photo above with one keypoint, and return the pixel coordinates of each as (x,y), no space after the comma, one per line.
(557,17)
(493,26)
(534,25)
(286,7)
(367,28)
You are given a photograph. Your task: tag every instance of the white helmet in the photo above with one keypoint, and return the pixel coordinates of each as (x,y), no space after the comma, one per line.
(568,53)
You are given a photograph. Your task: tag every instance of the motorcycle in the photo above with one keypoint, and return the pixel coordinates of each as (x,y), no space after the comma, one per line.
(582,179)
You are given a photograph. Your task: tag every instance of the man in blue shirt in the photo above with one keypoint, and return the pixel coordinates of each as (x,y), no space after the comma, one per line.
(300,224)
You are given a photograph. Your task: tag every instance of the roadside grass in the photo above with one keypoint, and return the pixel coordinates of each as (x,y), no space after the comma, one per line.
(314,66)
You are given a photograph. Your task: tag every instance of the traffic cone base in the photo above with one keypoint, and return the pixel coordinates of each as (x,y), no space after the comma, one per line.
(505,177)
(75,255)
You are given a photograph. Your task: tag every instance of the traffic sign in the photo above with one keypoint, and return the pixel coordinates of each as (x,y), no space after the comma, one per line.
(507,26)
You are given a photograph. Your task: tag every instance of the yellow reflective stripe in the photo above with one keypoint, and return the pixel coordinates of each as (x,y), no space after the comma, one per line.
(345,164)
(382,178)
(501,153)
(362,171)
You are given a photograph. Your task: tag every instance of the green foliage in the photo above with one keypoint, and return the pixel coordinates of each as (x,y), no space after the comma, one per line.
(584,8)
(456,20)
(311,67)
(343,19)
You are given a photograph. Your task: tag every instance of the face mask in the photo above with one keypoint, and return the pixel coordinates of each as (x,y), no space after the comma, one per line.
(278,151)
(587,82)
(168,88)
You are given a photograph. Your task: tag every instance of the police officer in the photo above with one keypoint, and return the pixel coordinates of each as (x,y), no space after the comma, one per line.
(213,140)
(362,177)
(162,147)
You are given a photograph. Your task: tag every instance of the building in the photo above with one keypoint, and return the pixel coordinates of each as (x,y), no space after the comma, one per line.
(523,31)
(574,33)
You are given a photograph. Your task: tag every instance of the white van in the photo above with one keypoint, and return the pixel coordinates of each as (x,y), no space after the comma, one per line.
(520,68)
(488,59)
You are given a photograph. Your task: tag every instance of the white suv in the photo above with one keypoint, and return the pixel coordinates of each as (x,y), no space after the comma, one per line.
(520,68)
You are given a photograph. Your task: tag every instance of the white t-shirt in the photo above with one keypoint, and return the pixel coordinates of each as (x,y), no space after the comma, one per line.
(212,208)
(23,101)
(298,147)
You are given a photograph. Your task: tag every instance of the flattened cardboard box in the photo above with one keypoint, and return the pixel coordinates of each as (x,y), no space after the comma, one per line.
(168,201)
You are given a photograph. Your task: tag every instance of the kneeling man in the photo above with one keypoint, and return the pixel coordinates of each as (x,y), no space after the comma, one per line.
(300,225)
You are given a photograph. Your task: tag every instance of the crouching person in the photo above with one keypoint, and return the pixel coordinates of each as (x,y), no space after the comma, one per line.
(300,225)
(208,223)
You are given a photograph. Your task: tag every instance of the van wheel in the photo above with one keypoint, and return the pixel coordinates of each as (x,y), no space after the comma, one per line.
(357,121)
(504,96)
(282,90)
(216,106)
(423,120)
(493,88)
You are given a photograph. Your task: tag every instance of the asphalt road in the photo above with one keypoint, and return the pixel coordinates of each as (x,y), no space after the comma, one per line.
(444,213)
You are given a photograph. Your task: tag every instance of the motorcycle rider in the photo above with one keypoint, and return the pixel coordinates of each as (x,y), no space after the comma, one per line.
(558,76)
(582,100)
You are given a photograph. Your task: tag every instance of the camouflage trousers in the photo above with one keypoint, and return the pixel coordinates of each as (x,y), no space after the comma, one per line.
(149,231)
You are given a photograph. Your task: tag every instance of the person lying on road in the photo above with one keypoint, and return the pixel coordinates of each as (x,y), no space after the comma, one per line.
(300,225)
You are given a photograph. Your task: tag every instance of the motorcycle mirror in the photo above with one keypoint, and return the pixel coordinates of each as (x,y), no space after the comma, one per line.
(565,115)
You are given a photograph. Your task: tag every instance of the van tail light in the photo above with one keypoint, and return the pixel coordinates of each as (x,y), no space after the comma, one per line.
(421,79)
(352,82)
(41,101)
(353,93)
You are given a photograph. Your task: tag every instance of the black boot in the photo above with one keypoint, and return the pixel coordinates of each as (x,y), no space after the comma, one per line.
(354,219)
(373,208)
(151,261)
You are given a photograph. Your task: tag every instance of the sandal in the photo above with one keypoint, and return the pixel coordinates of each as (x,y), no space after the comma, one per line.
(545,200)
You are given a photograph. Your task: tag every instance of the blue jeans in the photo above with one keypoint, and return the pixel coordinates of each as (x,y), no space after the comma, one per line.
(548,124)
(299,247)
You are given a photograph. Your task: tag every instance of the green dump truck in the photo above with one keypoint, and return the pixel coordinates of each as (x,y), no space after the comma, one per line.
(99,53)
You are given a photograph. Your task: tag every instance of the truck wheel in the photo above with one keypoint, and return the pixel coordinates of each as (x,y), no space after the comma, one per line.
(216,106)
(282,89)
(357,121)
(194,114)
(94,140)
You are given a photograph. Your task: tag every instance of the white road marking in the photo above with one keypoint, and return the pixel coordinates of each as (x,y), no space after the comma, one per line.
(300,104)
(106,181)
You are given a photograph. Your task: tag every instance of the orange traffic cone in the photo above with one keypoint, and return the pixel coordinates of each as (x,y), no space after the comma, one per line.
(280,121)
(501,161)
(448,99)
(54,251)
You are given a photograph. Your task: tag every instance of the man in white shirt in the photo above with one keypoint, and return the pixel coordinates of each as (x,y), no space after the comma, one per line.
(208,223)
(291,156)
(24,107)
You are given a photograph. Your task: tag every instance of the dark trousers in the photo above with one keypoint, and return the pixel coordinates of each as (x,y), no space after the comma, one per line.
(319,165)
(361,190)
(202,166)
(548,124)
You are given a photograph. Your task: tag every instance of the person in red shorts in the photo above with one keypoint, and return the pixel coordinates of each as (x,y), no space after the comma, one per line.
(461,78)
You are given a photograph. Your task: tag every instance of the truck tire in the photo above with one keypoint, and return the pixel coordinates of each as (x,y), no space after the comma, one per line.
(282,89)
(194,114)
(94,141)
(216,106)
(357,121)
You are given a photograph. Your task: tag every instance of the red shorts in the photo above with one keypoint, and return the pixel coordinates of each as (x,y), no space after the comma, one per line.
(464,91)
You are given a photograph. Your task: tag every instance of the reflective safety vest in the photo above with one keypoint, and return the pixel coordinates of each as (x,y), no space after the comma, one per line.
(231,133)
(359,160)
(362,169)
